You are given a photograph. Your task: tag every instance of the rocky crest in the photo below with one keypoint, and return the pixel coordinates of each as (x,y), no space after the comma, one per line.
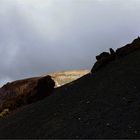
(104,58)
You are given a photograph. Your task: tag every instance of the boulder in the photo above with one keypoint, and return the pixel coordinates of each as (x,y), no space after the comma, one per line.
(101,63)
(102,56)
(112,52)
(103,59)
(44,88)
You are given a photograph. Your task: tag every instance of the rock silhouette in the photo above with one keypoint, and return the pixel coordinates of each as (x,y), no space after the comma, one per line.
(44,88)
(112,52)
(104,58)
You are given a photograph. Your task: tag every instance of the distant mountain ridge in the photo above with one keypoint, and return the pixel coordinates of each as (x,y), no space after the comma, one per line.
(65,77)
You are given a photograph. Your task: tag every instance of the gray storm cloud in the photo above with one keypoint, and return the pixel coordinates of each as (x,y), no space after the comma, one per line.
(41,36)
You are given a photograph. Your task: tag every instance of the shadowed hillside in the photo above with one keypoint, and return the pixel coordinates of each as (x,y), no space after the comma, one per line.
(101,104)
(23,92)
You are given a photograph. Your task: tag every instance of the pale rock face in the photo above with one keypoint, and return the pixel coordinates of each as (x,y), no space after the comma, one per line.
(65,77)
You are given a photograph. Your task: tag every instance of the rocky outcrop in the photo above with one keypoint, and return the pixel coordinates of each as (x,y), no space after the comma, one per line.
(44,87)
(104,58)
(23,92)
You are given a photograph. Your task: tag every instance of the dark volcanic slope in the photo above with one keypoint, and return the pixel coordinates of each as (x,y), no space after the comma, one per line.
(103,105)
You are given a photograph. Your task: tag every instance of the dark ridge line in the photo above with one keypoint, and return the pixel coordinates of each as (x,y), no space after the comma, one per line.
(105,57)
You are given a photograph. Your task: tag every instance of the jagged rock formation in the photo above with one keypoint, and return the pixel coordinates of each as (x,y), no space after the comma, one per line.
(104,58)
(23,92)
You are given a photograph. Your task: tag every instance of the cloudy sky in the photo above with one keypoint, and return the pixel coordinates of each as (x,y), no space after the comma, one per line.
(41,36)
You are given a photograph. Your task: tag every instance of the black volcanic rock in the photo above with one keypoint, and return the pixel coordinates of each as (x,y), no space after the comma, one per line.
(104,104)
(103,59)
(102,56)
(44,87)
(112,52)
